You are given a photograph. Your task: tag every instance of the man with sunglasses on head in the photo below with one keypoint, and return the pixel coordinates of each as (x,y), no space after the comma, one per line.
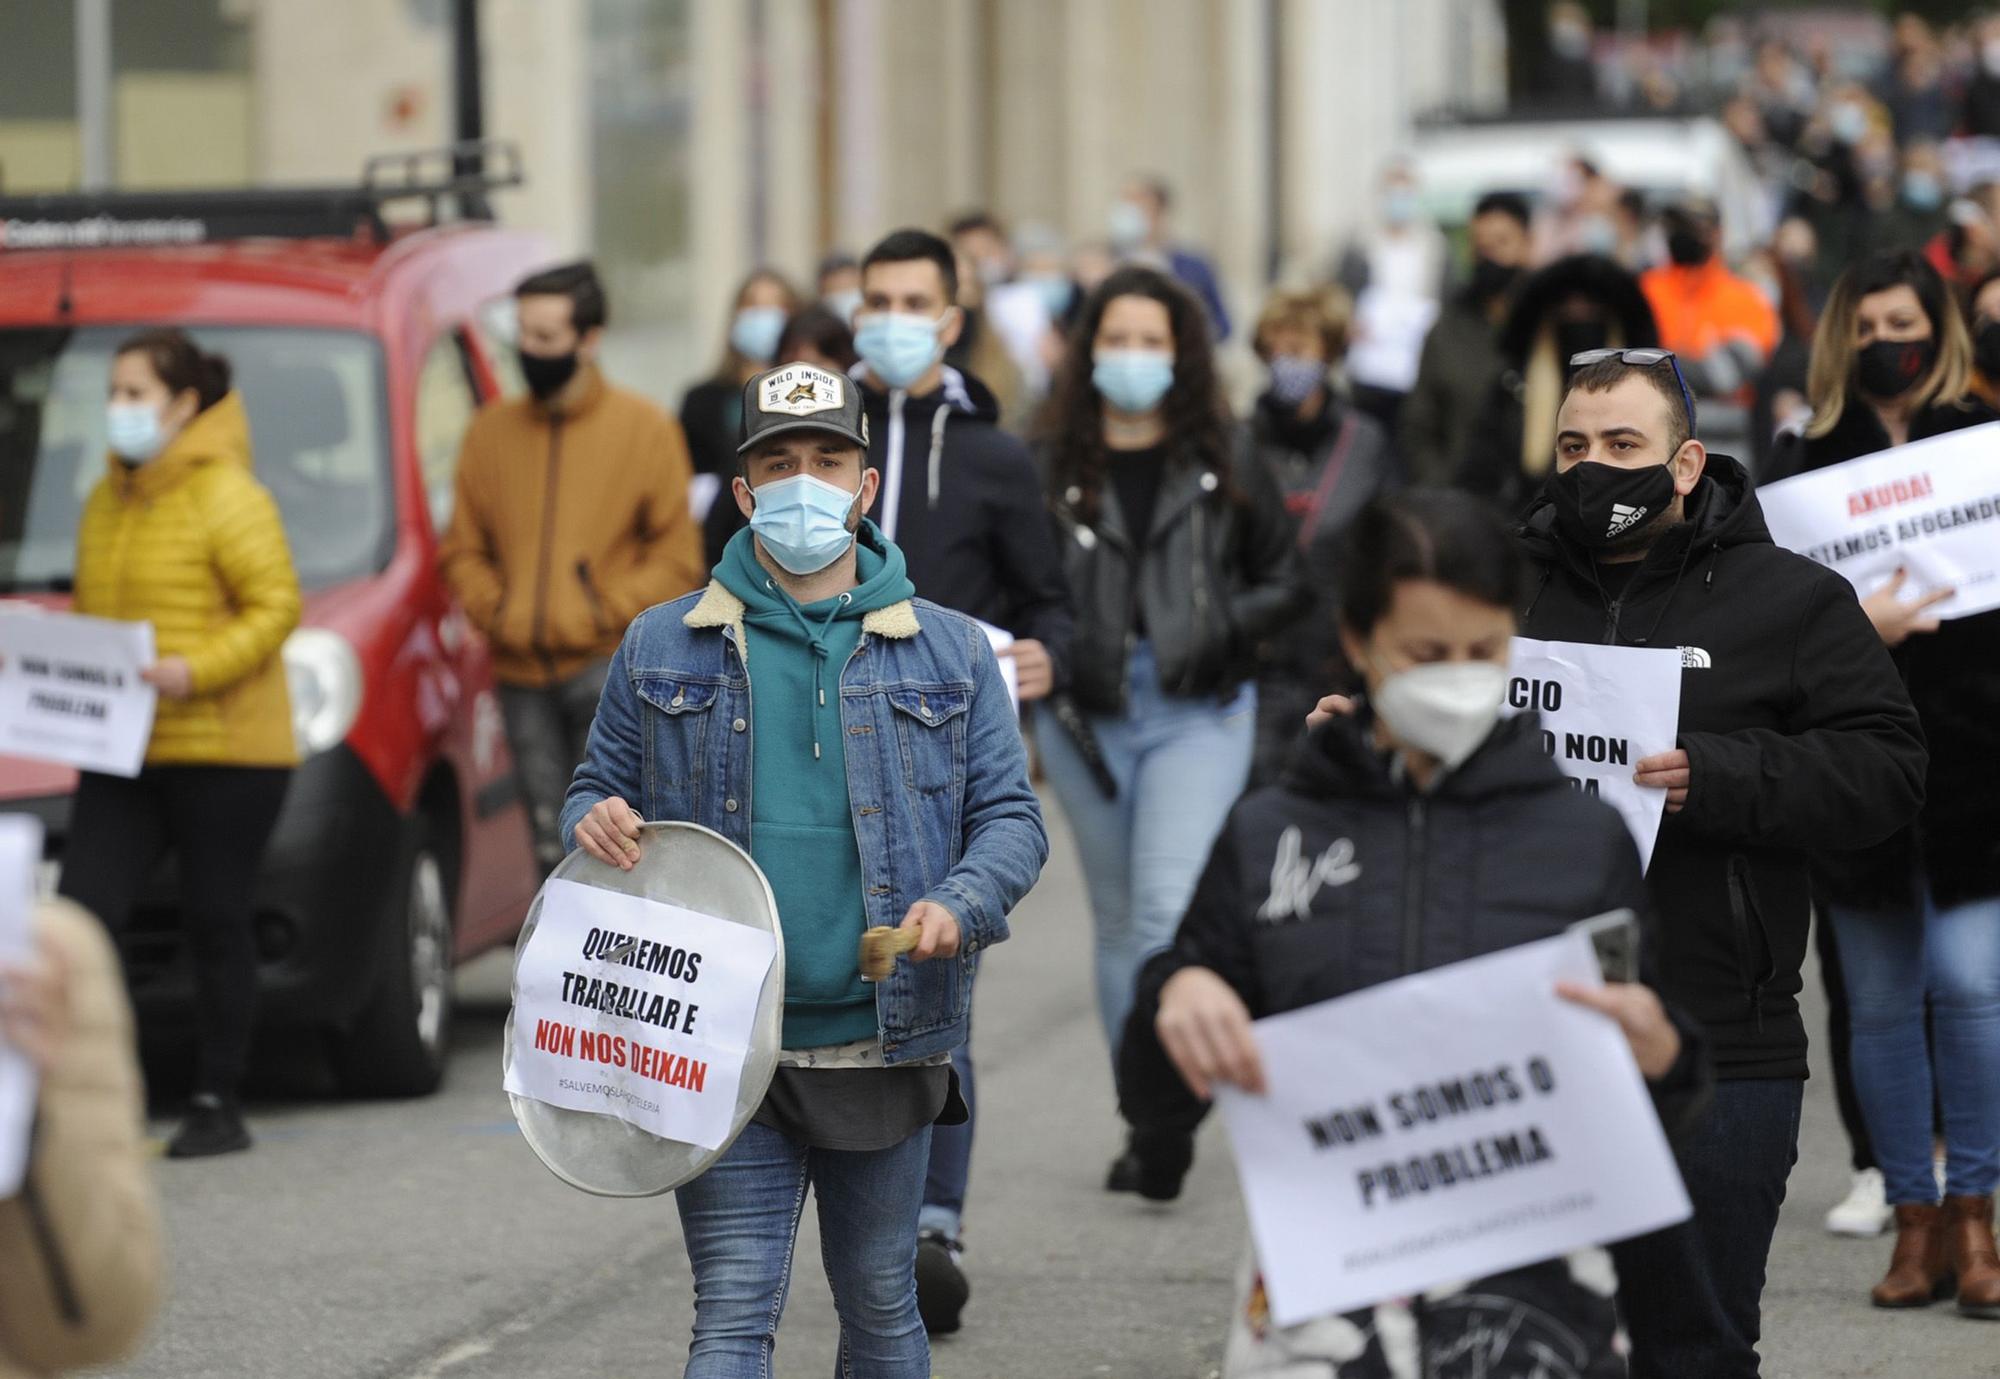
(1795,733)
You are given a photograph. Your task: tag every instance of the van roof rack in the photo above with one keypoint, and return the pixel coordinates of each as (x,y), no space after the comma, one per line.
(460,173)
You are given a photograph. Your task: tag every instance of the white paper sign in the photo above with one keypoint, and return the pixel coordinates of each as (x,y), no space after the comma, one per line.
(655,1035)
(1931,507)
(1604,710)
(70,690)
(1444,1127)
(20,851)
(1010,675)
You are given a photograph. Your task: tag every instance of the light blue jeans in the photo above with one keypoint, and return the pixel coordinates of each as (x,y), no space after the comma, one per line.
(1893,962)
(1180,765)
(741,1219)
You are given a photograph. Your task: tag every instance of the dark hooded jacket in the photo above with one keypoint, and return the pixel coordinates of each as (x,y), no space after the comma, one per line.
(1500,852)
(962,499)
(1491,462)
(1953,675)
(1799,736)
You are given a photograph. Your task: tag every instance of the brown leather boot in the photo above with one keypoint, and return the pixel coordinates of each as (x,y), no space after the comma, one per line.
(1918,1272)
(1969,1245)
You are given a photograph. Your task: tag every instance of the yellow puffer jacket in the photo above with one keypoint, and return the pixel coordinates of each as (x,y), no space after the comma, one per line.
(191,543)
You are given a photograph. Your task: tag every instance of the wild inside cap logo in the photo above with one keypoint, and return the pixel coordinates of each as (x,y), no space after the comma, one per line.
(801,391)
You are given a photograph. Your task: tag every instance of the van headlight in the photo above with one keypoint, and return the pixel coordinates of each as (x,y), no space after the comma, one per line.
(324,677)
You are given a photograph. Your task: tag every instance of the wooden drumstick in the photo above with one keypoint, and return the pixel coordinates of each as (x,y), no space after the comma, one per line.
(879,947)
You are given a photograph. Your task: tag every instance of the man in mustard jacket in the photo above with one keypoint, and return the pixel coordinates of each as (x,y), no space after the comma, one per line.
(571,518)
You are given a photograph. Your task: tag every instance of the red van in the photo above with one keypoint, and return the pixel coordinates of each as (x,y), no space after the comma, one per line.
(362,350)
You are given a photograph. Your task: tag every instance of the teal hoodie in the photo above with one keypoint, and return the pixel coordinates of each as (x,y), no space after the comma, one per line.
(801,827)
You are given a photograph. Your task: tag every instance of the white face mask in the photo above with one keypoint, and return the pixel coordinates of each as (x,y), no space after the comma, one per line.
(1444,709)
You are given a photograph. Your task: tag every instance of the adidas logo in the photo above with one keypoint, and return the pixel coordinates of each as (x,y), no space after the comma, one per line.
(1624,517)
(1695,658)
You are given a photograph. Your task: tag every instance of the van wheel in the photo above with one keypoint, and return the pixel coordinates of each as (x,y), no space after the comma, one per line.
(398,1045)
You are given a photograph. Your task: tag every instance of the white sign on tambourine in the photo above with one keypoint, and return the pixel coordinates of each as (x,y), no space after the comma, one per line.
(1931,507)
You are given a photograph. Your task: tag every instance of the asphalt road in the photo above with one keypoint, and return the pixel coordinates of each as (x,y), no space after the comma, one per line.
(417,1240)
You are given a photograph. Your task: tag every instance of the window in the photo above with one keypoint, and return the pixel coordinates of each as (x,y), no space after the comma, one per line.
(445,404)
(318,435)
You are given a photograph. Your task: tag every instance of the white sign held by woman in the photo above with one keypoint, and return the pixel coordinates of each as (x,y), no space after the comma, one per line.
(1931,507)
(70,690)
(639,1010)
(1604,710)
(1445,1126)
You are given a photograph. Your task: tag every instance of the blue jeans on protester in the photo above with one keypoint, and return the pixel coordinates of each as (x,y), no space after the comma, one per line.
(740,1221)
(1180,765)
(1692,1294)
(951,1158)
(1893,962)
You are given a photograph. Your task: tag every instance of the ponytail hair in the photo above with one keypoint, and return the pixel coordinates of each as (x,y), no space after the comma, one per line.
(181,364)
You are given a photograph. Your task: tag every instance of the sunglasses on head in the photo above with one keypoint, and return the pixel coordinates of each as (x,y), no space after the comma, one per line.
(1643,359)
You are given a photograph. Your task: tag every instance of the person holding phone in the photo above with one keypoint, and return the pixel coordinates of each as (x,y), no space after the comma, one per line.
(1418,830)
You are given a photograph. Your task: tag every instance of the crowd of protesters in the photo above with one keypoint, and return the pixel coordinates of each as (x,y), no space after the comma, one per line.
(1463,433)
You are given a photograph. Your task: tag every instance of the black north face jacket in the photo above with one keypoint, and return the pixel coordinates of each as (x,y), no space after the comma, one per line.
(1799,736)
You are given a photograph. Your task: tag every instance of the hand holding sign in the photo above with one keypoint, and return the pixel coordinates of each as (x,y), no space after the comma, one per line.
(1668,771)
(1895,617)
(171,676)
(1655,1043)
(1205,1029)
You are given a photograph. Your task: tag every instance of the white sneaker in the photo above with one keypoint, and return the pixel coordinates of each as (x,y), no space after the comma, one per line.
(1866,1213)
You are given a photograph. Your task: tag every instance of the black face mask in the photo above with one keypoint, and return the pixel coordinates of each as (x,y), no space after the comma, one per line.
(1574,337)
(1490,279)
(1601,507)
(1890,368)
(1986,349)
(1687,249)
(547,374)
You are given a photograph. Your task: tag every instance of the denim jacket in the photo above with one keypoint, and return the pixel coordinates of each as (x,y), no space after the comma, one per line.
(937,777)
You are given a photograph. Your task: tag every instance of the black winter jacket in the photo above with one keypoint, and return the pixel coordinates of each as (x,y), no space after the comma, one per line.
(1953,675)
(1501,852)
(1217,573)
(1798,732)
(969,515)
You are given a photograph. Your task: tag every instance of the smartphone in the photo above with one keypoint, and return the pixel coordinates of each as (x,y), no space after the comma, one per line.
(1615,936)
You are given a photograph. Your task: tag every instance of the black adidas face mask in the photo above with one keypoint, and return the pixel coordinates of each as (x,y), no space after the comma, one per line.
(1601,506)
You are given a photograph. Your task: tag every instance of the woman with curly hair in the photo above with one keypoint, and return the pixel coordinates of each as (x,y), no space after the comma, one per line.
(1181,558)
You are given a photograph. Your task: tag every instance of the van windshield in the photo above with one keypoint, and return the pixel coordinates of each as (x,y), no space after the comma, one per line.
(318,434)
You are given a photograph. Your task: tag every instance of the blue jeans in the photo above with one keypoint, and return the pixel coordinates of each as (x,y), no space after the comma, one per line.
(951,1158)
(1894,962)
(1180,765)
(1693,1294)
(741,1219)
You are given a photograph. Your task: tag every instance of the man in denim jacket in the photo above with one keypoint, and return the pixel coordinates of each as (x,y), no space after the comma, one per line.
(877,776)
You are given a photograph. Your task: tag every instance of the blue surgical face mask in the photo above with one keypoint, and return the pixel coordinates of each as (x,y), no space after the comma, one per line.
(843,303)
(1399,205)
(802,522)
(1057,292)
(1132,381)
(1923,190)
(755,331)
(134,431)
(1128,225)
(897,347)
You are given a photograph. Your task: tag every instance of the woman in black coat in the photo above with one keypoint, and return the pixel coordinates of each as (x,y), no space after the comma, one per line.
(1917,919)
(1441,832)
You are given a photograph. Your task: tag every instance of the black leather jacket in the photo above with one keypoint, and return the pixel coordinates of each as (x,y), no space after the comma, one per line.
(1217,572)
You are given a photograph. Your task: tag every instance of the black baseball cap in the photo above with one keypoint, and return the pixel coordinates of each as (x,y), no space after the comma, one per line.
(801,397)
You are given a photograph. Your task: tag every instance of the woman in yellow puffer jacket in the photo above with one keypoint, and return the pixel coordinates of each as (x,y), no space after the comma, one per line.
(178,534)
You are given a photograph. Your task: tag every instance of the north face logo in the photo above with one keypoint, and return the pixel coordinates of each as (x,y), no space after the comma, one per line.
(1695,658)
(1624,517)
